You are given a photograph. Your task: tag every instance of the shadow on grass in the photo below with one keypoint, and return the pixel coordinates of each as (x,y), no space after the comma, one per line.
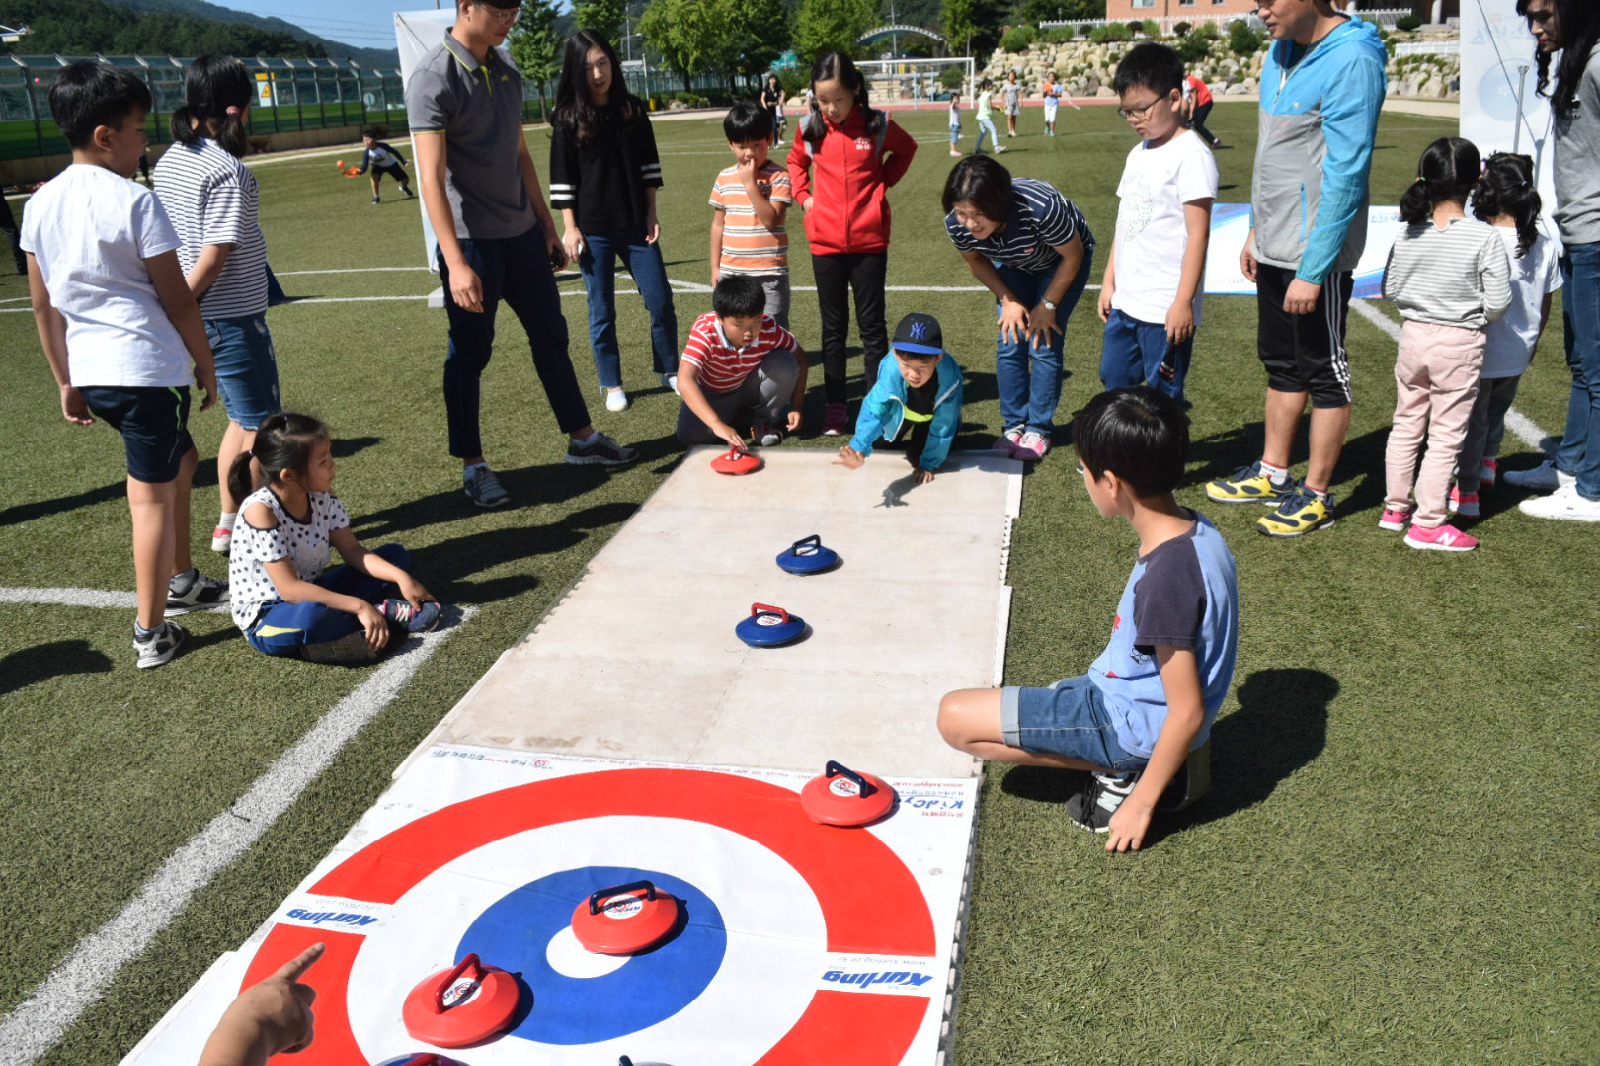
(1280,726)
(56,659)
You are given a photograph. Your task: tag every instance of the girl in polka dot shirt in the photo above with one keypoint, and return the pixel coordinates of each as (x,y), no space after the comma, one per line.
(289,602)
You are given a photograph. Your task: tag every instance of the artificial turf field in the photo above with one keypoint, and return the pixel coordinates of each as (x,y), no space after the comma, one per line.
(1397,860)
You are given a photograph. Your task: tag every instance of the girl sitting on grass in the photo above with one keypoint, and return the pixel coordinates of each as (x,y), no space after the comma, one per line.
(289,603)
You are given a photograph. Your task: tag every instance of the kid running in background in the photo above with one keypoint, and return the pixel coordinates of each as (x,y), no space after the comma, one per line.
(214,201)
(1052,102)
(1152,695)
(1449,276)
(1012,93)
(740,370)
(749,200)
(383,159)
(985,119)
(955,123)
(1150,297)
(917,398)
(1505,198)
(120,327)
(289,603)
(845,159)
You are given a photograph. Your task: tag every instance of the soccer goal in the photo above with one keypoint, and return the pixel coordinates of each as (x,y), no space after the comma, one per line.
(916,83)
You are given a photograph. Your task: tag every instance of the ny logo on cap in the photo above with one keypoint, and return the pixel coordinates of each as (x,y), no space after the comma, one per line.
(919,330)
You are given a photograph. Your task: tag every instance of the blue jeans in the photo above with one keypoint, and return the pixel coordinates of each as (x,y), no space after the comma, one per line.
(517,270)
(247,368)
(1132,351)
(598,263)
(1579,454)
(1029,378)
(1067,718)
(284,628)
(986,126)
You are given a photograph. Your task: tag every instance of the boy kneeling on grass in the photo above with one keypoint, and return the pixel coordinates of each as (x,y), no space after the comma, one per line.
(740,371)
(1151,696)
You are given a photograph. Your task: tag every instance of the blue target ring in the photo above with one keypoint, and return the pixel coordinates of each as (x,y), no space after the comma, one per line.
(515,932)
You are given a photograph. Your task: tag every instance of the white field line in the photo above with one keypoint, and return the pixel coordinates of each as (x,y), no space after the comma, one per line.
(39,1022)
(1521,426)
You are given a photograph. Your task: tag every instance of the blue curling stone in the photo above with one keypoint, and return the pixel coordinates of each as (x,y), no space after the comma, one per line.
(769,626)
(808,556)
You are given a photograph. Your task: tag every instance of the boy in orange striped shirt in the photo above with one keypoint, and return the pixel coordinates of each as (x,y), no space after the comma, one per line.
(750,199)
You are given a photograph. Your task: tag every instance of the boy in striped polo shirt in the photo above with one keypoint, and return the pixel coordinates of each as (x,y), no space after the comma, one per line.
(750,199)
(739,369)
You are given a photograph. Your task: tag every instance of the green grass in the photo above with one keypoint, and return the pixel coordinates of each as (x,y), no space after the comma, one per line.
(1396,862)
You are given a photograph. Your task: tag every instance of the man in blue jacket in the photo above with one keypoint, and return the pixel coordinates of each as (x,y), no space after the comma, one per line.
(1322,86)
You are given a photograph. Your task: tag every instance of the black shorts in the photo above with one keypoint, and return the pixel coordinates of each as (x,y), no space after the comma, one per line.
(154,423)
(1304,353)
(394,170)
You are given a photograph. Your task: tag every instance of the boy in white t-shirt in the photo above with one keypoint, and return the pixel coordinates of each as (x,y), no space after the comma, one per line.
(1150,299)
(120,327)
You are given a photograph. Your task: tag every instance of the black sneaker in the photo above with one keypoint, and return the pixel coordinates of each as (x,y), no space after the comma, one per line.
(203,592)
(599,449)
(1102,794)
(160,646)
(412,619)
(484,489)
(350,648)
(374,199)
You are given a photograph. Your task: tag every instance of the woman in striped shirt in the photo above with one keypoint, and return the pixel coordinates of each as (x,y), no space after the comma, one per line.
(1031,247)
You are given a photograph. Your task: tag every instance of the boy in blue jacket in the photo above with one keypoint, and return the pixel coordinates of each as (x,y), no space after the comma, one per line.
(917,396)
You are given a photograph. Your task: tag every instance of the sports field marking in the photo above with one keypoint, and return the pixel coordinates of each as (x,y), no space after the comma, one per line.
(351,270)
(38,1023)
(1521,426)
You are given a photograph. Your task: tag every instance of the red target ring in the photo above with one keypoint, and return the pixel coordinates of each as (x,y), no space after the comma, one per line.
(834,865)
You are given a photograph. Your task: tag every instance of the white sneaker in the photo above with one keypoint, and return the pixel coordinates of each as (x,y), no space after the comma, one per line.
(1544,477)
(671,382)
(1563,503)
(616,400)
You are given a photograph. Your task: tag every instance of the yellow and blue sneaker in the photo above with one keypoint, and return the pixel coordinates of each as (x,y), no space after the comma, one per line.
(1249,485)
(1300,512)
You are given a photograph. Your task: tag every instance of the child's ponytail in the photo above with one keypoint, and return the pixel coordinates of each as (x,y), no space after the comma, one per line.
(1447,171)
(285,441)
(217,90)
(1506,188)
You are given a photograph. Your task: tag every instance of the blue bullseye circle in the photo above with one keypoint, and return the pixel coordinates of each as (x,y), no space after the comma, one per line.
(515,932)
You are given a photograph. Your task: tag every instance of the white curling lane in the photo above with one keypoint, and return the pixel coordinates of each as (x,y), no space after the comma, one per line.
(37,1023)
(1520,425)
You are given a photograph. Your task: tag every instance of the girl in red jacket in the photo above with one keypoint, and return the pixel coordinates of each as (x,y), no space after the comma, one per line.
(845,158)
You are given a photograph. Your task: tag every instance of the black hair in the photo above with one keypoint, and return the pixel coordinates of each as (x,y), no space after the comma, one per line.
(1580,31)
(1153,66)
(1506,188)
(836,66)
(285,441)
(371,131)
(90,94)
(981,181)
(738,296)
(575,110)
(1137,433)
(215,84)
(986,84)
(1447,171)
(747,121)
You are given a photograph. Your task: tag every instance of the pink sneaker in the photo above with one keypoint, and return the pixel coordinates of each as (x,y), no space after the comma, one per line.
(835,420)
(1488,472)
(1006,443)
(1445,538)
(1031,447)
(1464,505)
(1394,518)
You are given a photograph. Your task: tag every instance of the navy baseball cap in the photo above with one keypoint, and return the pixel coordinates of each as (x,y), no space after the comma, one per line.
(918,334)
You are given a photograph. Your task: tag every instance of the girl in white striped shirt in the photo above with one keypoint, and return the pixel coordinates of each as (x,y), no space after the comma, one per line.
(1450,277)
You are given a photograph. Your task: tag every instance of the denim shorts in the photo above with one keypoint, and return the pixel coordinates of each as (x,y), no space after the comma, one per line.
(247,368)
(154,423)
(1068,718)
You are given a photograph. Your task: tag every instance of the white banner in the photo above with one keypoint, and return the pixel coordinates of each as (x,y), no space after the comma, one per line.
(1499,71)
(1230,225)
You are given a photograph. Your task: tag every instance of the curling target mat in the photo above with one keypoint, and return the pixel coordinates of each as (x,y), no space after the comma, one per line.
(799,943)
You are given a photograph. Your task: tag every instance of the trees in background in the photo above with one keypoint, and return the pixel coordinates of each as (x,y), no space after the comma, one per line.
(536,45)
(832,25)
(604,16)
(734,38)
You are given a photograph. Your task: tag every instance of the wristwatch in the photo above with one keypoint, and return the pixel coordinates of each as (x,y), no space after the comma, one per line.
(1048,306)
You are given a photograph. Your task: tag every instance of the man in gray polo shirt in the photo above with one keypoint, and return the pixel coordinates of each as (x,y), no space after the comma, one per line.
(496,238)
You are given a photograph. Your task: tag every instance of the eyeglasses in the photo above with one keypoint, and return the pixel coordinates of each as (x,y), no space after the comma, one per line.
(504,16)
(1138,113)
